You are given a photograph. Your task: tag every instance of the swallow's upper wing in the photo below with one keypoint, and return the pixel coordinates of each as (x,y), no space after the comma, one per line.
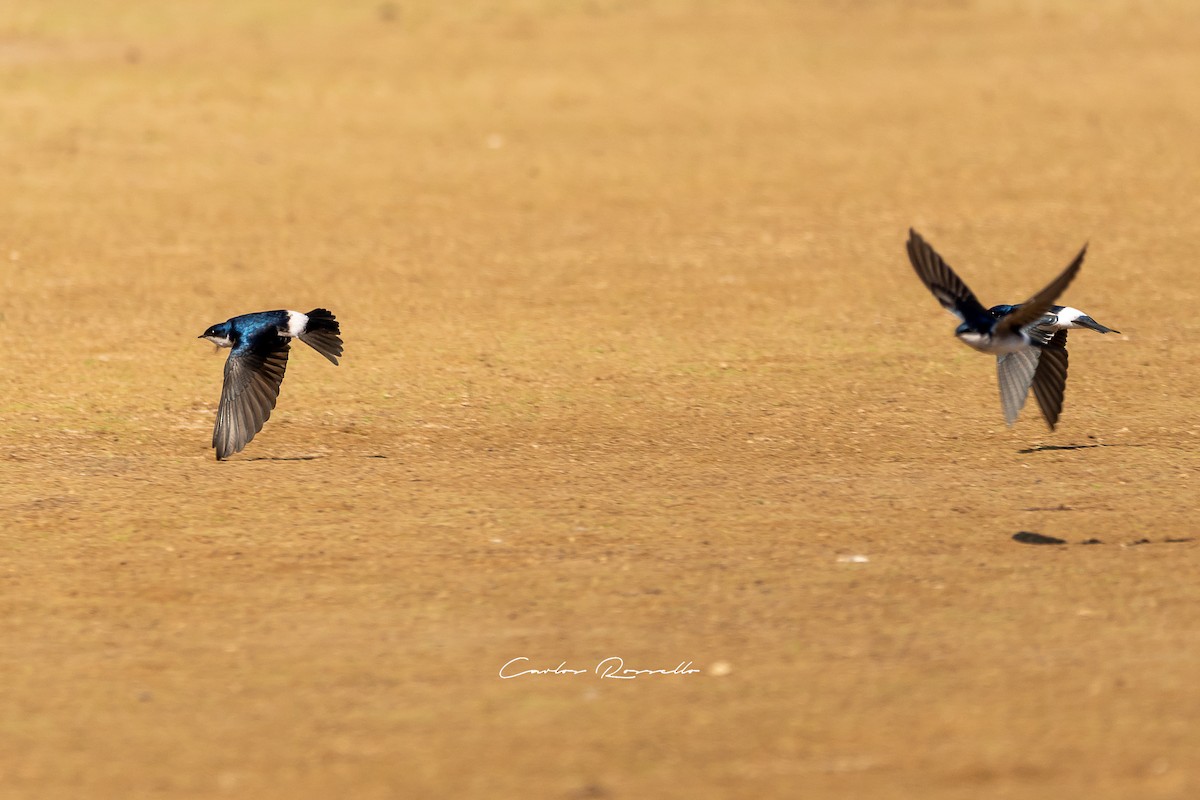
(1033,309)
(1015,372)
(1041,331)
(1050,380)
(253,373)
(937,276)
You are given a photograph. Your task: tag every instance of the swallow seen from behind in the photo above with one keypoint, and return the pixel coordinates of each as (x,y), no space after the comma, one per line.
(1029,340)
(254,369)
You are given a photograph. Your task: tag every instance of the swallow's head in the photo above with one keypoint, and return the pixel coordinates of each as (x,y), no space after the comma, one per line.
(220,335)
(1001,311)
(971,336)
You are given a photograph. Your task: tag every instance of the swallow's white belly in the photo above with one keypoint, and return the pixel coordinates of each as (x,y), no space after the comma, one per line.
(995,345)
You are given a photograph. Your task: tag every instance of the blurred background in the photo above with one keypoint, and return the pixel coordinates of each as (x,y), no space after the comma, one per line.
(635,365)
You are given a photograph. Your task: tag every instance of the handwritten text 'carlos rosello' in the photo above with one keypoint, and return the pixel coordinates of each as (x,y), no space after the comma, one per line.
(611,667)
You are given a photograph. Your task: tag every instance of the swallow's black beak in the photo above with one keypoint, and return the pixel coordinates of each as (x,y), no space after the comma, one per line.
(201,336)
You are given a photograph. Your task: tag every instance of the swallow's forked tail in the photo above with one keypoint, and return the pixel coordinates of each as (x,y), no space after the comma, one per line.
(323,334)
(1085,321)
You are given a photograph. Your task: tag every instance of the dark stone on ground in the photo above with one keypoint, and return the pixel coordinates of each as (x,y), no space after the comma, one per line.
(1028,537)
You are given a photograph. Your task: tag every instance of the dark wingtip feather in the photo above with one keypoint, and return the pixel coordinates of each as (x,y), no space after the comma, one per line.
(1050,381)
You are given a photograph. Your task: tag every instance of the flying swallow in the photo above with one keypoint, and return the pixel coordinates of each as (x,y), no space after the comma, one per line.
(254,369)
(1058,318)
(1030,349)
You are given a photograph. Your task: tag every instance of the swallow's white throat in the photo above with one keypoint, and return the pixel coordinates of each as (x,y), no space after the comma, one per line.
(297,323)
(220,341)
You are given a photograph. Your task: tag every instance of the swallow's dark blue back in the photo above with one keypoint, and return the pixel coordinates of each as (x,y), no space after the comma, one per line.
(250,328)
(260,319)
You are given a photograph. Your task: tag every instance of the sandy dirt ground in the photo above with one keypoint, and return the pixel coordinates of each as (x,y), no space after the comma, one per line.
(635,367)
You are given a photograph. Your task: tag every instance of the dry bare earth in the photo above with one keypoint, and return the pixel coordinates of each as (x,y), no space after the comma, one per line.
(634,366)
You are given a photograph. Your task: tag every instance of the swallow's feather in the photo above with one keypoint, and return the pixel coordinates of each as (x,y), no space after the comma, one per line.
(1040,334)
(1015,371)
(1033,309)
(253,373)
(1050,380)
(942,281)
(322,333)
(1084,321)
(327,344)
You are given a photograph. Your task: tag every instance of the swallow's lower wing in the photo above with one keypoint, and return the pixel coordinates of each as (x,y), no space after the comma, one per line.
(252,378)
(1015,373)
(945,285)
(1033,309)
(1050,380)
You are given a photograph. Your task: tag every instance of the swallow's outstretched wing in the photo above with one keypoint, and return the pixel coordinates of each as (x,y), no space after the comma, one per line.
(1015,372)
(1033,309)
(945,285)
(1050,380)
(253,373)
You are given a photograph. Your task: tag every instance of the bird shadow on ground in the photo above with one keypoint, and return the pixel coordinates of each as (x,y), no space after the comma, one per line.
(1029,537)
(1041,448)
(299,458)
(282,458)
